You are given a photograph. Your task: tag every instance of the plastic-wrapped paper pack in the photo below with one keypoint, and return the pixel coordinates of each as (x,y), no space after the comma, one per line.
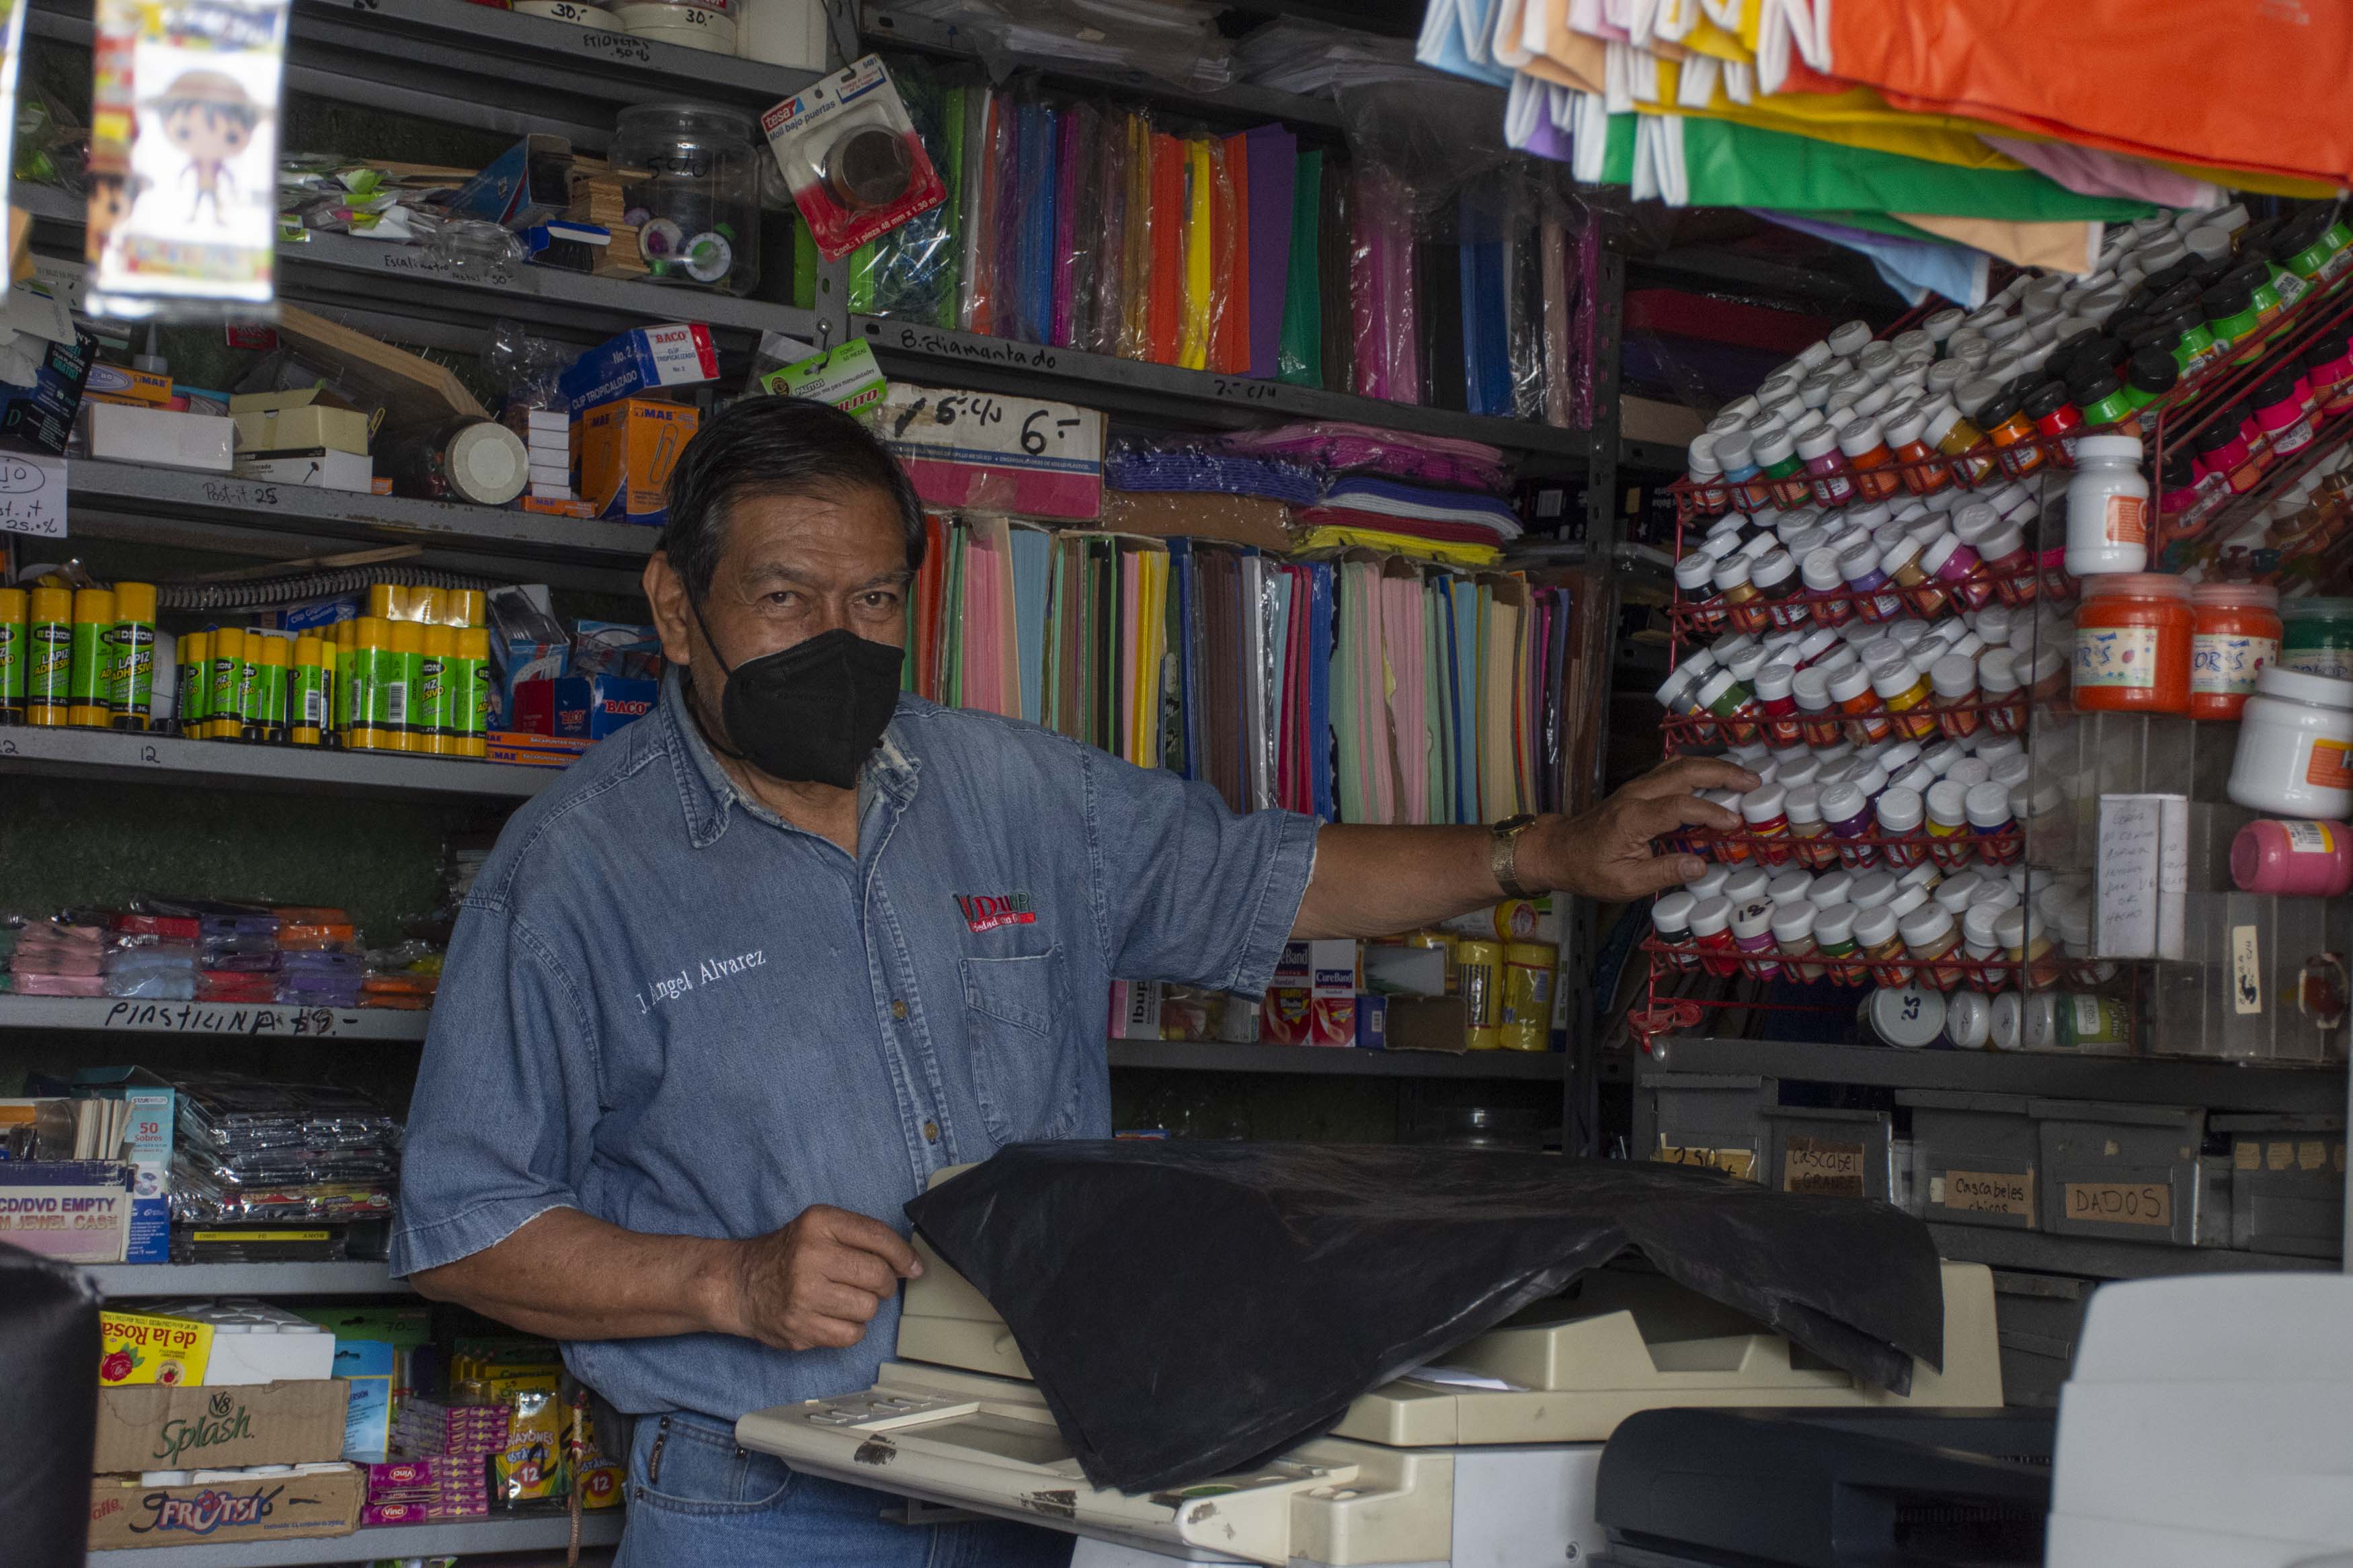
(911,270)
(1173,40)
(185,104)
(1564,369)
(1189,1307)
(1385,336)
(1293,55)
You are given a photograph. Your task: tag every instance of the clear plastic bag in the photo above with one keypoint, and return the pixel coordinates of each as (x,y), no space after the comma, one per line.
(912,270)
(1173,40)
(1383,296)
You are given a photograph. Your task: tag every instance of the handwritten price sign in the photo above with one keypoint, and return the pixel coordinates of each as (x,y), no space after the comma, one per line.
(32,495)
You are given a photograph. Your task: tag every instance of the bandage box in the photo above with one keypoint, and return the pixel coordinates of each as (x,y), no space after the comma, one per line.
(677,354)
(1312,1001)
(627,451)
(116,382)
(591,707)
(123,433)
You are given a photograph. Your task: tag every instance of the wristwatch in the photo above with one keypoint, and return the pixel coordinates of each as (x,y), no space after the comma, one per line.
(1503,856)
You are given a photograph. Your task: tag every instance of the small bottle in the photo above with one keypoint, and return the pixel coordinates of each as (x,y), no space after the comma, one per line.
(1763,809)
(1705,475)
(1991,828)
(1922,470)
(2236,635)
(2107,508)
(1751,935)
(1744,609)
(1778,705)
(1786,483)
(2010,433)
(1947,808)
(2056,420)
(1671,922)
(1775,577)
(1826,588)
(2280,410)
(1900,560)
(1981,947)
(1957,568)
(1810,839)
(1675,692)
(2013,568)
(1834,942)
(1899,815)
(1733,704)
(1962,444)
(1826,468)
(1846,812)
(1793,937)
(1710,923)
(1819,723)
(1870,463)
(1864,720)
(2004,703)
(2297,859)
(1953,679)
(1744,483)
(1726,848)
(1933,940)
(1873,596)
(2019,934)
(1904,693)
(1879,939)
(1696,591)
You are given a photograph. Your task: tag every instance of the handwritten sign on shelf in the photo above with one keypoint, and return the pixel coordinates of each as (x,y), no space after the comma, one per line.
(32,495)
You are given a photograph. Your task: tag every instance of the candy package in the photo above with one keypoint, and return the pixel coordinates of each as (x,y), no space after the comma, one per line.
(851,156)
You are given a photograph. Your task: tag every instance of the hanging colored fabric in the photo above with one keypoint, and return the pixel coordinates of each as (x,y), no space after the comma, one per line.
(2094,172)
(1713,163)
(1301,360)
(1915,269)
(1165,320)
(2053,246)
(1230,329)
(1200,257)
(2200,81)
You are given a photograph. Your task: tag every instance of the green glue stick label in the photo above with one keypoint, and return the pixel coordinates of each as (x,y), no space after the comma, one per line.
(93,664)
(473,698)
(224,704)
(308,706)
(134,667)
(432,694)
(387,692)
(270,682)
(193,690)
(12,641)
(49,666)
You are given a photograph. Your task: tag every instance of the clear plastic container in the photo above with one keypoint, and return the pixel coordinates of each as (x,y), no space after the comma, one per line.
(690,180)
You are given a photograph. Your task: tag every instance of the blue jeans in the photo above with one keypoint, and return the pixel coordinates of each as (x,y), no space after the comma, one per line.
(697,1500)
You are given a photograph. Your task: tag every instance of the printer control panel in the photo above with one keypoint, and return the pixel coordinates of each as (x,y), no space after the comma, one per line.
(878,1411)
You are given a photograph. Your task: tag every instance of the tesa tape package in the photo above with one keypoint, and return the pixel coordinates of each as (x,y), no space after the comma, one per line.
(851,156)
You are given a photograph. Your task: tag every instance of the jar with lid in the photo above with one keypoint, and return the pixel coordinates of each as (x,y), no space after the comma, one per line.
(1994,831)
(2186,492)
(1904,694)
(1819,722)
(1695,586)
(1744,607)
(1873,595)
(1958,572)
(1751,935)
(1960,442)
(1933,942)
(2023,942)
(1710,924)
(1810,841)
(2056,420)
(1900,559)
(2107,508)
(1784,471)
(2317,637)
(2132,645)
(690,185)
(2231,313)
(1733,704)
(2235,635)
(2108,408)
(1834,942)
(2011,433)
(2328,372)
(2012,567)
(1763,812)
(1826,469)
(1678,694)
(1952,682)
(1922,467)
(1746,487)
(1866,721)
(2223,448)
(1879,942)
(1870,462)
(1777,704)
(1729,848)
(1775,577)
(2150,374)
(1705,475)
(1671,922)
(1948,823)
(2296,747)
(1793,937)
(1898,812)
(1846,813)
(2280,412)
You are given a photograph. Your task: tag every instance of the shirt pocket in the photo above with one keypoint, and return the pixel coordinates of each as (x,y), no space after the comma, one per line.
(1025,1073)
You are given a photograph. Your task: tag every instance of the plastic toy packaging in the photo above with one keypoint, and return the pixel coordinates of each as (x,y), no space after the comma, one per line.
(183,161)
(851,156)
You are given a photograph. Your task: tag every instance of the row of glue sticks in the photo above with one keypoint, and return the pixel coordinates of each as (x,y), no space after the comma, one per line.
(411,676)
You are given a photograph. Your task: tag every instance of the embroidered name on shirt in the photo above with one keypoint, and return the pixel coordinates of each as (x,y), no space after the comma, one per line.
(670,987)
(986,911)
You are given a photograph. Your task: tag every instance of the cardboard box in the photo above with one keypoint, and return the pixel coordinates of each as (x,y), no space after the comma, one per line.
(43,389)
(122,1512)
(321,469)
(136,1348)
(591,707)
(209,1427)
(677,354)
(627,451)
(1312,1001)
(304,420)
(157,437)
(1135,1009)
(523,186)
(75,1211)
(365,1366)
(154,1107)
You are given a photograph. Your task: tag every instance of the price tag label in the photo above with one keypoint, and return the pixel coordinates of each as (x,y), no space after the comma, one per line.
(1820,1167)
(992,453)
(1985,1191)
(32,495)
(2121,1203)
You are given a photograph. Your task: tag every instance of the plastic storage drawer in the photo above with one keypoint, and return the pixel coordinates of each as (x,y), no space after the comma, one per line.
(2126,1172)
(2287,1184)
(1713,1118)
(1833,1153)
(1975,1157)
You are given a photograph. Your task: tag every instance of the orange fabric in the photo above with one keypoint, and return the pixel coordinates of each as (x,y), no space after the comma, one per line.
(2220,83)
(1167,313)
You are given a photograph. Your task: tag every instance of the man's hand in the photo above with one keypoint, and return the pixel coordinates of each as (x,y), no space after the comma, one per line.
(817,1283)
(1605,854)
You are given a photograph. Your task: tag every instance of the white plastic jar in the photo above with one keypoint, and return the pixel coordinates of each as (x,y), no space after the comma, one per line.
(2296,747)
(2107,508)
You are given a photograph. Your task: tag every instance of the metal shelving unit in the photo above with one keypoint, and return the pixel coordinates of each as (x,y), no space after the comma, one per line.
(2106,1259)
(120,755)
(1337,1061)
(2228,1086)
(263,1021)
(533,1533)
(350,1279)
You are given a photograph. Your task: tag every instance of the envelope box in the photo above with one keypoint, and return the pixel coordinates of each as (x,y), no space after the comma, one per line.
(208,1426)
(321,468)
(115,432)
(592,706)
(297,421)
(126,1512)
(114,381)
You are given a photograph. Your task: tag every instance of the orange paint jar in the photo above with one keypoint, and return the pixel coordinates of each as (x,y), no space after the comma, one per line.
(2235,637)
(2132,644)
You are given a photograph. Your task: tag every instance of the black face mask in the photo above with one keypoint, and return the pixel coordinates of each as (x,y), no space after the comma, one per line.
(811,713)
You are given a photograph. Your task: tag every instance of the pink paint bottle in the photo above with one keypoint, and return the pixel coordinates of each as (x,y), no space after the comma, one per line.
(2293,860)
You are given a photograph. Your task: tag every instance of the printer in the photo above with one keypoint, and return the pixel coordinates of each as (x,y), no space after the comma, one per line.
(1489,1459)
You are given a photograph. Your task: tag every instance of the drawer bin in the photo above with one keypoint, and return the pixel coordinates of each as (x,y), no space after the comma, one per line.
(1975,1157)
(2123,1173)
(1831,1153)
(2287,1184)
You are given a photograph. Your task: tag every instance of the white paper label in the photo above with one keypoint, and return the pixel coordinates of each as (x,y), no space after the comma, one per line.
(2246,971)
(32,495)
(2224,664)
(2309,839)
(2118,656)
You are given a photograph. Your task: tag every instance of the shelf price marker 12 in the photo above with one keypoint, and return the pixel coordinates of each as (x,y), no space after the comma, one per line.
(32,494)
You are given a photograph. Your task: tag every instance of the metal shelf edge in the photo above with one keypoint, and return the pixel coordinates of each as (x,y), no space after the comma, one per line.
(443,1538)
(172,759)
(268,1021)
(338,1278)
(2104,1259)
(1337,1061)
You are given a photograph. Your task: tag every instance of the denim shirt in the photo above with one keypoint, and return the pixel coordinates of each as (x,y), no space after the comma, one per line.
(665,1006)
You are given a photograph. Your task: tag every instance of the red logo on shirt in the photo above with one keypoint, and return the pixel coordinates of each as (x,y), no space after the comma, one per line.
(986,911)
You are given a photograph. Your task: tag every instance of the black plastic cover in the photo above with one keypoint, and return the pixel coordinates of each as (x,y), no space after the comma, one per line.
(1190,1309)
(49,1409)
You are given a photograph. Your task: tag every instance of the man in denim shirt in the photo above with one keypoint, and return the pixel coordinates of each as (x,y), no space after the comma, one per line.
(731,992)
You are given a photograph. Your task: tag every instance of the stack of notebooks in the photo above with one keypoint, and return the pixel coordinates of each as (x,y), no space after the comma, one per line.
(1352,684)
(1094,225)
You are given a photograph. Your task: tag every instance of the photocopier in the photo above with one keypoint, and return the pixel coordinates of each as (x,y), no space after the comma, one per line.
(1489,1459)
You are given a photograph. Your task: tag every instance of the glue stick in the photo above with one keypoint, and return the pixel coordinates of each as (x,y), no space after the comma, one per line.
(347,674)
(272,657)
(13,655)
(406,641)
(93,657)
(436,725)
(376,669)
(224,715)
(471,702)
(48,664)
(132,693)
(306,702)
(195,681)
(463,608)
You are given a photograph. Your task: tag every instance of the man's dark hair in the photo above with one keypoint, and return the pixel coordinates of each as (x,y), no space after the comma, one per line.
(787,446)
